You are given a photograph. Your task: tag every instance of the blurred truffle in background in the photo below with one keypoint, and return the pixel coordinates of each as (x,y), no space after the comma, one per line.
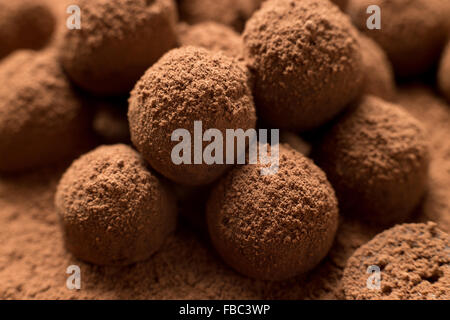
(444,72)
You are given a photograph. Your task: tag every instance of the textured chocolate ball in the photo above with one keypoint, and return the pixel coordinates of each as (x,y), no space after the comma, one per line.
(42,120)
(276,226)
(117,42)
(413,261)
(379,75)
(26,24)
(113,210)
(212,36)
(412,31)
(306,60)
(444,73)
(376,158)
(187,85)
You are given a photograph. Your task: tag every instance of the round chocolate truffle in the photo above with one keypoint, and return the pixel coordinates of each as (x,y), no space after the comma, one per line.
(412,31)
(117,42)
(113,210)
(233,13)
(376,157)
(24,24)
(42,120)
(444,73)
(187,85)
(277,226)
(306,60)
(212,36)
(413,261)
(379,75)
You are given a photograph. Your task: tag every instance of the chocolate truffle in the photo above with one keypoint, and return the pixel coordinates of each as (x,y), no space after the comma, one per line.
(412,31)
(277,226)
(376,157)
(306,60)
(212,36)
(444,73)
(42,120)
(379,76)
(413,260)
(187,85)
(117,42)
(26,24)
(233,13)
(113,210)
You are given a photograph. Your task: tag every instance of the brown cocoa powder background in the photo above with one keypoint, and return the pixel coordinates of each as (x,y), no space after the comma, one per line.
(33,259)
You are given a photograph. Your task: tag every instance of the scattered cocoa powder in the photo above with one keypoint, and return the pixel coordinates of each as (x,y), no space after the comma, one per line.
(306,62)
(413,261)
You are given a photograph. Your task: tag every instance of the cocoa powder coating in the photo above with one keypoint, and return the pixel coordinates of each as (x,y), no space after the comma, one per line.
(306,62)
(376,157)
(42,119)
(117,42)
(414,262)
(186,85)
(276,226)
(113,210)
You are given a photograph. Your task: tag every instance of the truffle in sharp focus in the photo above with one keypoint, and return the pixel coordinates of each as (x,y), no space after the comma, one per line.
(113,210)
(187,85)
(376,157)
(306,61)
(117,42)
(277,226)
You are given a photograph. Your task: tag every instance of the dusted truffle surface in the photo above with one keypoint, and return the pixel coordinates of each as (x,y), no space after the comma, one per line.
(412,31)
(444,73)
(376,158)
(211,35)
(306,60)
(379,76)
(24,24)
(117,42)
(276,226)
(186,85)
(42,120)
(233,13)
(113,210)
(414,260)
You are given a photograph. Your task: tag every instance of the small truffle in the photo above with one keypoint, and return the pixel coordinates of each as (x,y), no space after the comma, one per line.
(187,85)
(413,261)
(379,76)
(444,73)
(117,42)
(376,158)
(113,210)
(212,36)
(42,119)
(24,24)
(233,13)
(306,60)
(277,226)
(412,32)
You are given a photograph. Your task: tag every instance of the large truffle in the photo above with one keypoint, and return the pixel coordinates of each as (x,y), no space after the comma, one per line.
(306,60)
(412,31)
(117,42)
(376,158)
(42,120)
(276,226)
(233,13)
(212,36)
(444,73)
(379,75)
(186,85)
(113,210)
(26,24)
(413,261)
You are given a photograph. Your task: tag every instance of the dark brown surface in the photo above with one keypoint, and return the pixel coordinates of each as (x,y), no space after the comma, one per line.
(444,72)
